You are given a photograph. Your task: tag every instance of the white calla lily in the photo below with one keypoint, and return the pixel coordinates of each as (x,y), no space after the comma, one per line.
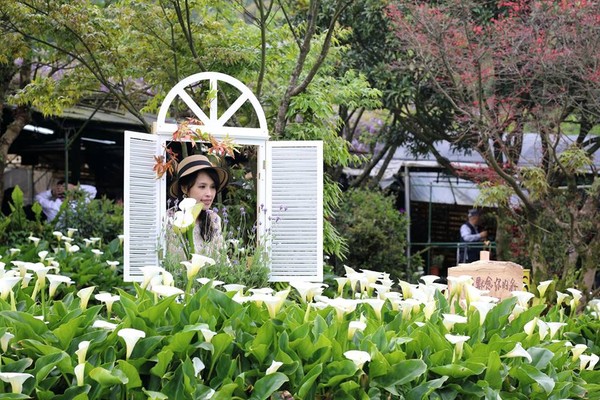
(518,351)
(198,366)
(4,340)
(131,337)
(16,380)
(450,319)
(274,367)
(107,299)
(79,371)
(55,281)
(81,351)
(543,286)
(166,291)
(84,296)
(578,350)
(358,357)
(458,341)
(109,326)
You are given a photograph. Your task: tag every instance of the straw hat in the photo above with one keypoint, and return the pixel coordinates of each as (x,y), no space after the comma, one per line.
(193,164)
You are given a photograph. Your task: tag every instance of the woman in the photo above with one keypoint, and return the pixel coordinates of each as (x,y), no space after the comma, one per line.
(199,179)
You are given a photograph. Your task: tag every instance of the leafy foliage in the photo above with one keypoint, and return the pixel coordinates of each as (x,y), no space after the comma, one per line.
(376,233)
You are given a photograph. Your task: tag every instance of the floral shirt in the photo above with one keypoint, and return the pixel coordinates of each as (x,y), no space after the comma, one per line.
(177,243)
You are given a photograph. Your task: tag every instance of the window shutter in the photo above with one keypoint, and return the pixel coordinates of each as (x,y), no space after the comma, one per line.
(295,205)
(141,201)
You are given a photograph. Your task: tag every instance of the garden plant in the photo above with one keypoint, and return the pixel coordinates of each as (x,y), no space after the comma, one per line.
(369,338)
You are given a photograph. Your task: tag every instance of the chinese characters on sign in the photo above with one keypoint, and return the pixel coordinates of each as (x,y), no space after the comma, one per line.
(500,278)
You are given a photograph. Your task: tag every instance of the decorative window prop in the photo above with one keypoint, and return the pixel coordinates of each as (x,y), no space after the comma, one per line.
(289,176)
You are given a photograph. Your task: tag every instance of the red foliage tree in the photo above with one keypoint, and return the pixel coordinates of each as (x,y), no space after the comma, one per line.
(506,68)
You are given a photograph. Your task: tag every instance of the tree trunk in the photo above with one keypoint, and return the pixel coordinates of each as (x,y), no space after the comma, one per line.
(21,118)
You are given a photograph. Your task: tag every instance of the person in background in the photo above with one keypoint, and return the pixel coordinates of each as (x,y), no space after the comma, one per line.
(52,199)
(470,234)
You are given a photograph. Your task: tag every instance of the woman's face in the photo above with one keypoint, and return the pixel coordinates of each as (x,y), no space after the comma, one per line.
(203,190)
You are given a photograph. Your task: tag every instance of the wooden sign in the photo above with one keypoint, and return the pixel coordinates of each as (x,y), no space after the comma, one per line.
(500,278)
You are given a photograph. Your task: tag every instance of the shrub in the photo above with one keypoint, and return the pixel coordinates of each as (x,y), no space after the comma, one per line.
(375,232)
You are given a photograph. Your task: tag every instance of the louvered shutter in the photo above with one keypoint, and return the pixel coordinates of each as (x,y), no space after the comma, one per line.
(141,204)
(295,197)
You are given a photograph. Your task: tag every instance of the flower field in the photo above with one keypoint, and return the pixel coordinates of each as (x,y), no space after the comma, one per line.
(65,336)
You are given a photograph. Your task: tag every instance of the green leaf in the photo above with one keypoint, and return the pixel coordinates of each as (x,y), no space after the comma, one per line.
(66,331)
(402,373)
(164,359)
(107,378)
(267,385)
(180,342)
(46,364)
(425,389)
(157,311)
(133,376)
(459,370)
(26,327)
(529,374)
(493,373)
(337,371)
(307,382)
(540,357)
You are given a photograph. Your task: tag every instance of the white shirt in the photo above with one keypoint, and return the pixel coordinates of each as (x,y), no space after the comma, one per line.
(51,205)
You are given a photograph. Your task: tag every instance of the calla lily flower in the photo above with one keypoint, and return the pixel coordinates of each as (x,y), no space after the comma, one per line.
(4,341)
(458,283)
(429,309)
(590,361)
(198,366)
(577,295)
(84,295)
(214,283)
(561,298)
(113,264)
(274,304)
(578,350)
(55,281)
(341,283)
(234,287)
(342,306)
(196,264)
(308,290)
(518,351)
(149,272)
(484,308)
(451,319)
(274,367)
(543,329)
(529,327)
(208,334)
(554,328)
(458,341)
(42,255)
(187,204)
(358,357)
(104,325)
(131,337)
(166,291)
(14,251)
(35,240)
(523,297)
(376,305)
(97,252)
(16,380)
(71,231)
(79,374)
(543,286)
(82,351)
(429,279)
(182,221)
(6,285)
(355,326)
(108,299)
(58,234)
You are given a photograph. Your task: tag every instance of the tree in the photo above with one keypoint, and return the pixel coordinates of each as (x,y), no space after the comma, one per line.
(497,70)
(134,51)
